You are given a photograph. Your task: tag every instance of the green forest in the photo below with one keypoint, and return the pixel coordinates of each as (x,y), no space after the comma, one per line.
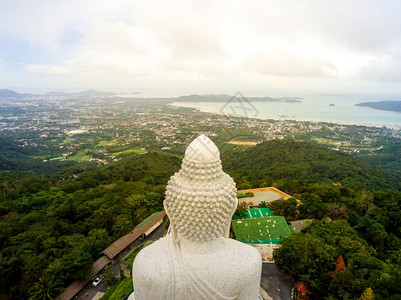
(55,221)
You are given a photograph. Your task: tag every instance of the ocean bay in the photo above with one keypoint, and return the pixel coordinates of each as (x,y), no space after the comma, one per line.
(316,109)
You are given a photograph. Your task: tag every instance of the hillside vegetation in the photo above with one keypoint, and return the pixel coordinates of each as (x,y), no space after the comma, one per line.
(388,158)
(13,157)
(52,230)
(53,226)
(288,159)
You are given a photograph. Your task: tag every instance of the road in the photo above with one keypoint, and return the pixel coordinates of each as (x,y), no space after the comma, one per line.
(89,292)
(275,283)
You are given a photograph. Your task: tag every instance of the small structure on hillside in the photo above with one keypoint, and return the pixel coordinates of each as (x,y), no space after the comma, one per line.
(298,225)
(266,194)
(126,243)
(117,250)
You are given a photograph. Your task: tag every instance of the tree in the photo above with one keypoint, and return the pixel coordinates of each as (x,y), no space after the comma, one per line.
(376,236)
(290,208)
(96,241)
(109,278)
(277,207)
(45,289)
(122,225)
(364,203)
(73,265)
(263,204)
(313,207)
(336,211)
(308,259)
(135,201)
(240,211)
(153,200)
(367,295)
(286,208)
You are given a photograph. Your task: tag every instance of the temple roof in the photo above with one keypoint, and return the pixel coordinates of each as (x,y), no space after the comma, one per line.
(123,242)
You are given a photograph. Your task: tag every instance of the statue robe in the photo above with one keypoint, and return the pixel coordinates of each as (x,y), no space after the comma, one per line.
(175,275)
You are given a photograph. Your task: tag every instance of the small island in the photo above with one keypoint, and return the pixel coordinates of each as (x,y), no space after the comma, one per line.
(383,105)
(332,104)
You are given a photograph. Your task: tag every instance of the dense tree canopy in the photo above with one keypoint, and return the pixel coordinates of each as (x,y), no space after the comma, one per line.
(54,224)
(50,235)
(285,160)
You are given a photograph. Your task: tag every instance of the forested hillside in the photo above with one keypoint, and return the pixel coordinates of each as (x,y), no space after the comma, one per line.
(388,158)
(288,159)
(52,226)
(13,157)
(52,230)
(354,217)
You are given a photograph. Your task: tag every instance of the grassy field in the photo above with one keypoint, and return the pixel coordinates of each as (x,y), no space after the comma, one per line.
(132,150)
(258,212)
(261,230)
(106,143)
(242,143)
(80,156)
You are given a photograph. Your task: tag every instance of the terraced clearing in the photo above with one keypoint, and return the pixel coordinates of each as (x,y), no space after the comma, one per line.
(133,150)
(243,143)
(80,156)
(106,143)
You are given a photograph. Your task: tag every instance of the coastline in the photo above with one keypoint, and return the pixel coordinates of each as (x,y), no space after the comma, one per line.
(311,120)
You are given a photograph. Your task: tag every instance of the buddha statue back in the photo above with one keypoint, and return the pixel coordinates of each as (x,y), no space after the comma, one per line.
(196,259)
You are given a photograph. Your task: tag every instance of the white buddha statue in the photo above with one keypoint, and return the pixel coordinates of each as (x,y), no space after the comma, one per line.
(196,259)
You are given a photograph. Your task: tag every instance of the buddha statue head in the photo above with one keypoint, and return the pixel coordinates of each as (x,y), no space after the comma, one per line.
(200,198)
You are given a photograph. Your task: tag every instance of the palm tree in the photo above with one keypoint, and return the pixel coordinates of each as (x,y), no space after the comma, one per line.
(45,289)
(122,225)
(262,204)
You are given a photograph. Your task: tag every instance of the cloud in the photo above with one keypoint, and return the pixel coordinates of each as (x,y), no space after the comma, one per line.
(201,42)
(46,70)
(384,68)
(360,25)
(287,64)
(186,29)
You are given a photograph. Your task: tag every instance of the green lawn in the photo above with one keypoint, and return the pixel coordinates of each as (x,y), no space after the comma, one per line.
(132,150)
(261,230)
(257,213)
(80,156)
(106,143)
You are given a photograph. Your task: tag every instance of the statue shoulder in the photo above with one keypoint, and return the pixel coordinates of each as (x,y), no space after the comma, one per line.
(148,259)
(247,254)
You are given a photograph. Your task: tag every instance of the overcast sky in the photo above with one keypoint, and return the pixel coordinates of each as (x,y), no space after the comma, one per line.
(180,47)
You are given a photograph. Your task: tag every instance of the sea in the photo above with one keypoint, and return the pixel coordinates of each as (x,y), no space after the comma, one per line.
(317,108)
